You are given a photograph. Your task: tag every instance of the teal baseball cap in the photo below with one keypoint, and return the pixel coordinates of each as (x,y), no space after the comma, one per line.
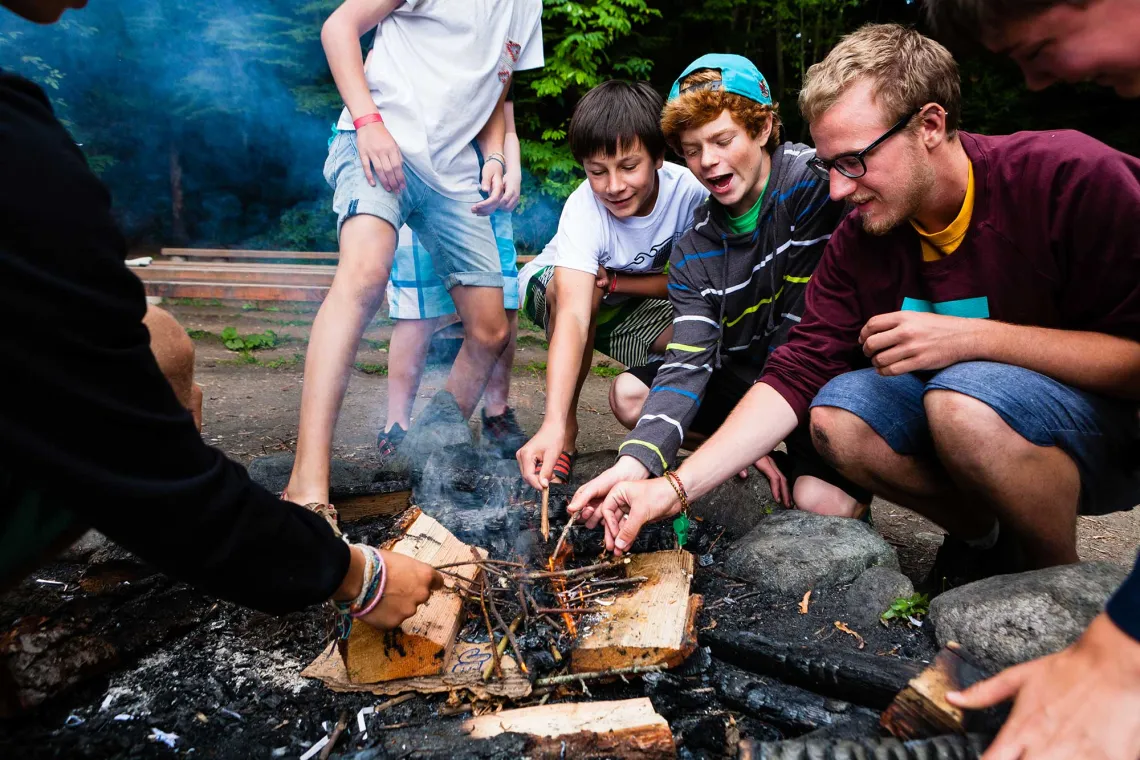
(738,75)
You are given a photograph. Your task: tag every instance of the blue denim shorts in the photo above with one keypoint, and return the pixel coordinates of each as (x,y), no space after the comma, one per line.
(462,245)
(414,290)
(1098,433)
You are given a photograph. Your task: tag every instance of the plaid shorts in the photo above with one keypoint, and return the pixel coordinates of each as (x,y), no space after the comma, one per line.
(416,292)
(626,329)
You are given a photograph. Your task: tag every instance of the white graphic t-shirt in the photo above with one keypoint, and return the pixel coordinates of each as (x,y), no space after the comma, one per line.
(589,236)
(436,71)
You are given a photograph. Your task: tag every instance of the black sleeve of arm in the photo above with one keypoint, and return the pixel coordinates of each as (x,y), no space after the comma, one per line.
(87,417)
(1124,606)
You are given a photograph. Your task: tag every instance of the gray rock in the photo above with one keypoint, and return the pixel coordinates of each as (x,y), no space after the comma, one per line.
(1009,619)
(873,592)
(790,552)
(345,478)
(88,544)
(738,505)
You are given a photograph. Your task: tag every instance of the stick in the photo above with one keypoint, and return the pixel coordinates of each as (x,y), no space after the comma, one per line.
(510,634)
(546,514)
(575,677)
(567,610)
(482,562)
(490,632)
(633,579)
(502,647)
(573,572)
(562,538)
(341,724)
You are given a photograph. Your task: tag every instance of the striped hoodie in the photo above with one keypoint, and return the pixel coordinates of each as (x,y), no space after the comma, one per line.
(735,297)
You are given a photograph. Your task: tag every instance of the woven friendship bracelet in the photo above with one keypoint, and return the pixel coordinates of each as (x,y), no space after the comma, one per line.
(679,488)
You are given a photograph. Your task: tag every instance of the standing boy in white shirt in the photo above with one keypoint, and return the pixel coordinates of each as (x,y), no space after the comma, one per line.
(600,282)
(435,82)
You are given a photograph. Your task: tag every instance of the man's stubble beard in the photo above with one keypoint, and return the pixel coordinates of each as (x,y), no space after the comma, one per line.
(918,185)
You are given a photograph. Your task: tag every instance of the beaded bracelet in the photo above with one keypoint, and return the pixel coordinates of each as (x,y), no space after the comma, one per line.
(372,586)
(379,590)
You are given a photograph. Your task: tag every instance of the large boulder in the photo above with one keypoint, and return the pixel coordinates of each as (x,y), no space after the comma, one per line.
(738,505)
(873,592)
(1009,619)
(790,552)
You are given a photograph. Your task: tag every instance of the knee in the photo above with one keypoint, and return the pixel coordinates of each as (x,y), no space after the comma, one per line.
(627,397)
(839,436)
(968,432)
(817,496)
(173,350)
(491,336)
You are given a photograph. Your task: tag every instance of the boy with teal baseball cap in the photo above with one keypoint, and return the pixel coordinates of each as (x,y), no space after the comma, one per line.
(736,282)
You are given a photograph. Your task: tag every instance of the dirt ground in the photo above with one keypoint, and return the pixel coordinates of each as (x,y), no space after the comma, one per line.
(251,409)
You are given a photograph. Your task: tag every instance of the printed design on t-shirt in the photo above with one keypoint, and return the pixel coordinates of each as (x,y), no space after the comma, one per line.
(976,308)
(658,254)
(508,59)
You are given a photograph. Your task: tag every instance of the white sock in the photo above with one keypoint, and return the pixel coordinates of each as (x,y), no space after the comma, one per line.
(987,541)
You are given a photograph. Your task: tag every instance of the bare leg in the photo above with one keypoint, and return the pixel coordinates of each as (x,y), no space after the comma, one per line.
(407,355)
(367,245)
(497,395)
(486,336)
(627,398)
(863,457)
(1032,489)
(174,352)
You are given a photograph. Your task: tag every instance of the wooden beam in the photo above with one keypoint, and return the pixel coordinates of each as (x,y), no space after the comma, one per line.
(228,253)
(314,276)
(921,711)
(628,728)
(420,645)
(653,624)
(244,292)
(359,506)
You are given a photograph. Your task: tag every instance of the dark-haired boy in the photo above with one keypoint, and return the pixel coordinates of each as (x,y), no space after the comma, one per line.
(736,283)
(600,282)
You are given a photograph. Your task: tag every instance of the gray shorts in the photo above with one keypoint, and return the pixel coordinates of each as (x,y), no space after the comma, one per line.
(462,245)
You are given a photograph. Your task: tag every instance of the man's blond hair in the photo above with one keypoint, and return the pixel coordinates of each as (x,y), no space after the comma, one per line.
(907,71)
(696,108)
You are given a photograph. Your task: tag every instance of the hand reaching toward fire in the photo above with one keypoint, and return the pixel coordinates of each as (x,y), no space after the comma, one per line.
(1083,701)
(630,505)
(588,499)
(408,584)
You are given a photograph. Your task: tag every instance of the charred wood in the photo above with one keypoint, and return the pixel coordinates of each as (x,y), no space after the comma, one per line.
(939,748)
(858,677)
(788,707)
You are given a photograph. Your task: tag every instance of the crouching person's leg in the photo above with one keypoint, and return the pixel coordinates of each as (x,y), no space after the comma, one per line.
(174,351)
(629,391)
(873,430)
(1033,449)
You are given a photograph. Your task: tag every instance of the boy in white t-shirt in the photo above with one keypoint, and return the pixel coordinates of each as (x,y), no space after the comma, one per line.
(434,84)
(600,282)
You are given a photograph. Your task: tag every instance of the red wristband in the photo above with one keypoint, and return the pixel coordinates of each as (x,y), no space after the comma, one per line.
(367,118)
(613,282)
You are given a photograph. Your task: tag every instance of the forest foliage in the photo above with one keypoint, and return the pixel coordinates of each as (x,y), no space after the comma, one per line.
(209,120)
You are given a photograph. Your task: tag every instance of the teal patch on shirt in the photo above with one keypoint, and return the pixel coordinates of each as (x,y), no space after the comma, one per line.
(974,308)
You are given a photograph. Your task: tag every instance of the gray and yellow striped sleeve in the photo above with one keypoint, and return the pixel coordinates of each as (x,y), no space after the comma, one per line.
(680,385)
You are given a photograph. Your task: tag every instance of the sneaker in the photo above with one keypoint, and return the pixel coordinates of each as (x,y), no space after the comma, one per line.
(387,444)
(502,434)
(958,563)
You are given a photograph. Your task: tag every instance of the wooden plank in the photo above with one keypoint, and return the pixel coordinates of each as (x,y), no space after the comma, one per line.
(628,728)
(359,506)
(175,273)
(652,625)
(229,253)
(244,292)
(921,711)
(420,645)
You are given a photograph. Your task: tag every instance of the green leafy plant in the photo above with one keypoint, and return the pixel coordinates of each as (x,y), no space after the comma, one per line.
(252,342)
(605,369)
(534,368)
(533,341)
(370,368)
(907,608)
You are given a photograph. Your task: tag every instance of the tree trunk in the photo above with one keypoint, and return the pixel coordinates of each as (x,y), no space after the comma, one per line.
(177,221)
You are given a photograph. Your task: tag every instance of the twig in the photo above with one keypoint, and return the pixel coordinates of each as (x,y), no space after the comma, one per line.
(580,596)
(574,677)
(457,710)
(482,562)
(341,724)
(501,647)
(546,514)
(713,544)
(566,610)
(510,635)
(630,581)
(573,572)
(490,632)
(562,538)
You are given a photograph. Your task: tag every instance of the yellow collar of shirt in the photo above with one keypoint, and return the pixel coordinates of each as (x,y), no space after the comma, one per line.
(936,245)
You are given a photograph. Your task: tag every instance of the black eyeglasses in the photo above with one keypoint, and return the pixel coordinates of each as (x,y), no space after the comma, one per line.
(854,165)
